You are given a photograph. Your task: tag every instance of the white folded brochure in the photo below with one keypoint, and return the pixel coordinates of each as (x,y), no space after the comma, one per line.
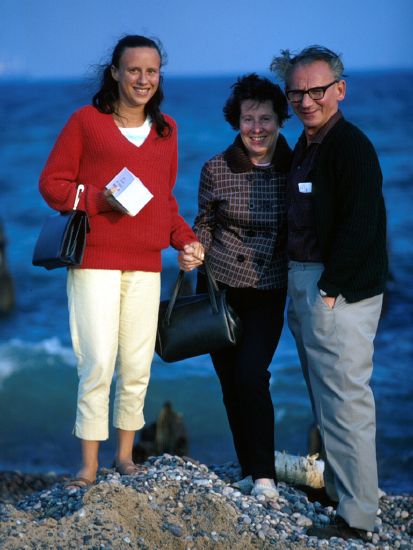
(129,191)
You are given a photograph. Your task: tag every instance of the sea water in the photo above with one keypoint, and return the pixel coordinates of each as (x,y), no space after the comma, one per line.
(37,366)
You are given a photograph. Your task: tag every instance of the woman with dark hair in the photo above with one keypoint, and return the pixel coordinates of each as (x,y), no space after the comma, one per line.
(241,222)
(114,295)
(106,99)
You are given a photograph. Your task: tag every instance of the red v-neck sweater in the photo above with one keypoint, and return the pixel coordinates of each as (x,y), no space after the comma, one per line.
(91,150)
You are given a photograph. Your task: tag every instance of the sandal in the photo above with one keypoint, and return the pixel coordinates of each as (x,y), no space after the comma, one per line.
(127,469)
(78,483)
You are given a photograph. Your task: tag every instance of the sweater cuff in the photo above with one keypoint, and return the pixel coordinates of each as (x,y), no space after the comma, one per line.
(330,289)
(179,243)
(97,203)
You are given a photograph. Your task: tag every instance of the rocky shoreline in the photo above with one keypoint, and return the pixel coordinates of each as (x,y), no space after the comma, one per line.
(172,504)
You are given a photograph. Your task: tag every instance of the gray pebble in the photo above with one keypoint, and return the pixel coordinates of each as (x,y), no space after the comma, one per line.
(281,522)
(303,521)
(247,520)
(323,519)
(176,530)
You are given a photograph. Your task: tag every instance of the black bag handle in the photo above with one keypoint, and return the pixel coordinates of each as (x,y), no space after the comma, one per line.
(212,289)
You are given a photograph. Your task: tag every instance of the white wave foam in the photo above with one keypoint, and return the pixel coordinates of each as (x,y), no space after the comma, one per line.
(6,369)
(17,354)
(52,346)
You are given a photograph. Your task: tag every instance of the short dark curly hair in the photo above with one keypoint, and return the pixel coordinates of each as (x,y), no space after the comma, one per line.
(255,88)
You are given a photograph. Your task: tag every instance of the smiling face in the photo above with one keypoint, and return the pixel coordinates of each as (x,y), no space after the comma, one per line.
(259,129)
(137,77)
(314,114)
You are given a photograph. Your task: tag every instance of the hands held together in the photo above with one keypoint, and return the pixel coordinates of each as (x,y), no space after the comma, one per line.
(191,256)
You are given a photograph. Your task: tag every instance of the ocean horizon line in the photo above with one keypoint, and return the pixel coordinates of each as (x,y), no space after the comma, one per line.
(22,79)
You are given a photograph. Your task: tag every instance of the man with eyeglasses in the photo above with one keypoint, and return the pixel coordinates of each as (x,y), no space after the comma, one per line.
(337,274)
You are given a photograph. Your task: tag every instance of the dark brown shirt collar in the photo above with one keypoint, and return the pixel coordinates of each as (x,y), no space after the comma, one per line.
(238,160)
(323,131)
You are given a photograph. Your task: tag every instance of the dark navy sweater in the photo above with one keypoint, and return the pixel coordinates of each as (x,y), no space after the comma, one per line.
(350,214)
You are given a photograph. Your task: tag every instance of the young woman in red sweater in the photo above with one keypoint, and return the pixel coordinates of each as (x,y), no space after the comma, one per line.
(114,295)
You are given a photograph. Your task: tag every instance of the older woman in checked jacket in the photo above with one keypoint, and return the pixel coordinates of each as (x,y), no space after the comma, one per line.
(242,224)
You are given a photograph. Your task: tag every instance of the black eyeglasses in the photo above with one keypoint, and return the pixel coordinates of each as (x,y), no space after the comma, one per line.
(315,93)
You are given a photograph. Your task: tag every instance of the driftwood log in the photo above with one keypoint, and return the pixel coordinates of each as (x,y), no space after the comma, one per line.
(299,470)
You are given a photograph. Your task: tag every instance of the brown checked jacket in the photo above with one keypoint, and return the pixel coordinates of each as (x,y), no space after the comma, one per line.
(241,217)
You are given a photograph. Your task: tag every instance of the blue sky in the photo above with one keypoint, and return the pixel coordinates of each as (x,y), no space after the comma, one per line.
(63,38)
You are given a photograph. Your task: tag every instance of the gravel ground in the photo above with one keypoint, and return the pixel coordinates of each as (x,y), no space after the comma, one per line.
(172,504)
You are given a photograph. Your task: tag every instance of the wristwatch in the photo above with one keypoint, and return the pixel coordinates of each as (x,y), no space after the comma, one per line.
(323,293)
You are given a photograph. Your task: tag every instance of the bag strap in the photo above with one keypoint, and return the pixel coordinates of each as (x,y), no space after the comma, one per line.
(212,289)
(79,190)
(210,276)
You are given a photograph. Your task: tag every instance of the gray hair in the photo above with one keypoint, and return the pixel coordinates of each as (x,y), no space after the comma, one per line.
(284,65)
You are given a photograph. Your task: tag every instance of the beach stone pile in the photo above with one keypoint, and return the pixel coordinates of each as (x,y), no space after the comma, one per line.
(178,503)
(14,486)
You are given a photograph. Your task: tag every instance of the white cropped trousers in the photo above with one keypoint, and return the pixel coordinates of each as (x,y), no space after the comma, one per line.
(113,318)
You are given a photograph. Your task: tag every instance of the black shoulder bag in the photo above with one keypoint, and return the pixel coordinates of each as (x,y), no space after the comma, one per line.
(193,325)
(62,239)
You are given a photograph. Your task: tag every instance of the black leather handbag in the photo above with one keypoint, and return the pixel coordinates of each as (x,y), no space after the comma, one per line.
(62,239)
(193,325)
